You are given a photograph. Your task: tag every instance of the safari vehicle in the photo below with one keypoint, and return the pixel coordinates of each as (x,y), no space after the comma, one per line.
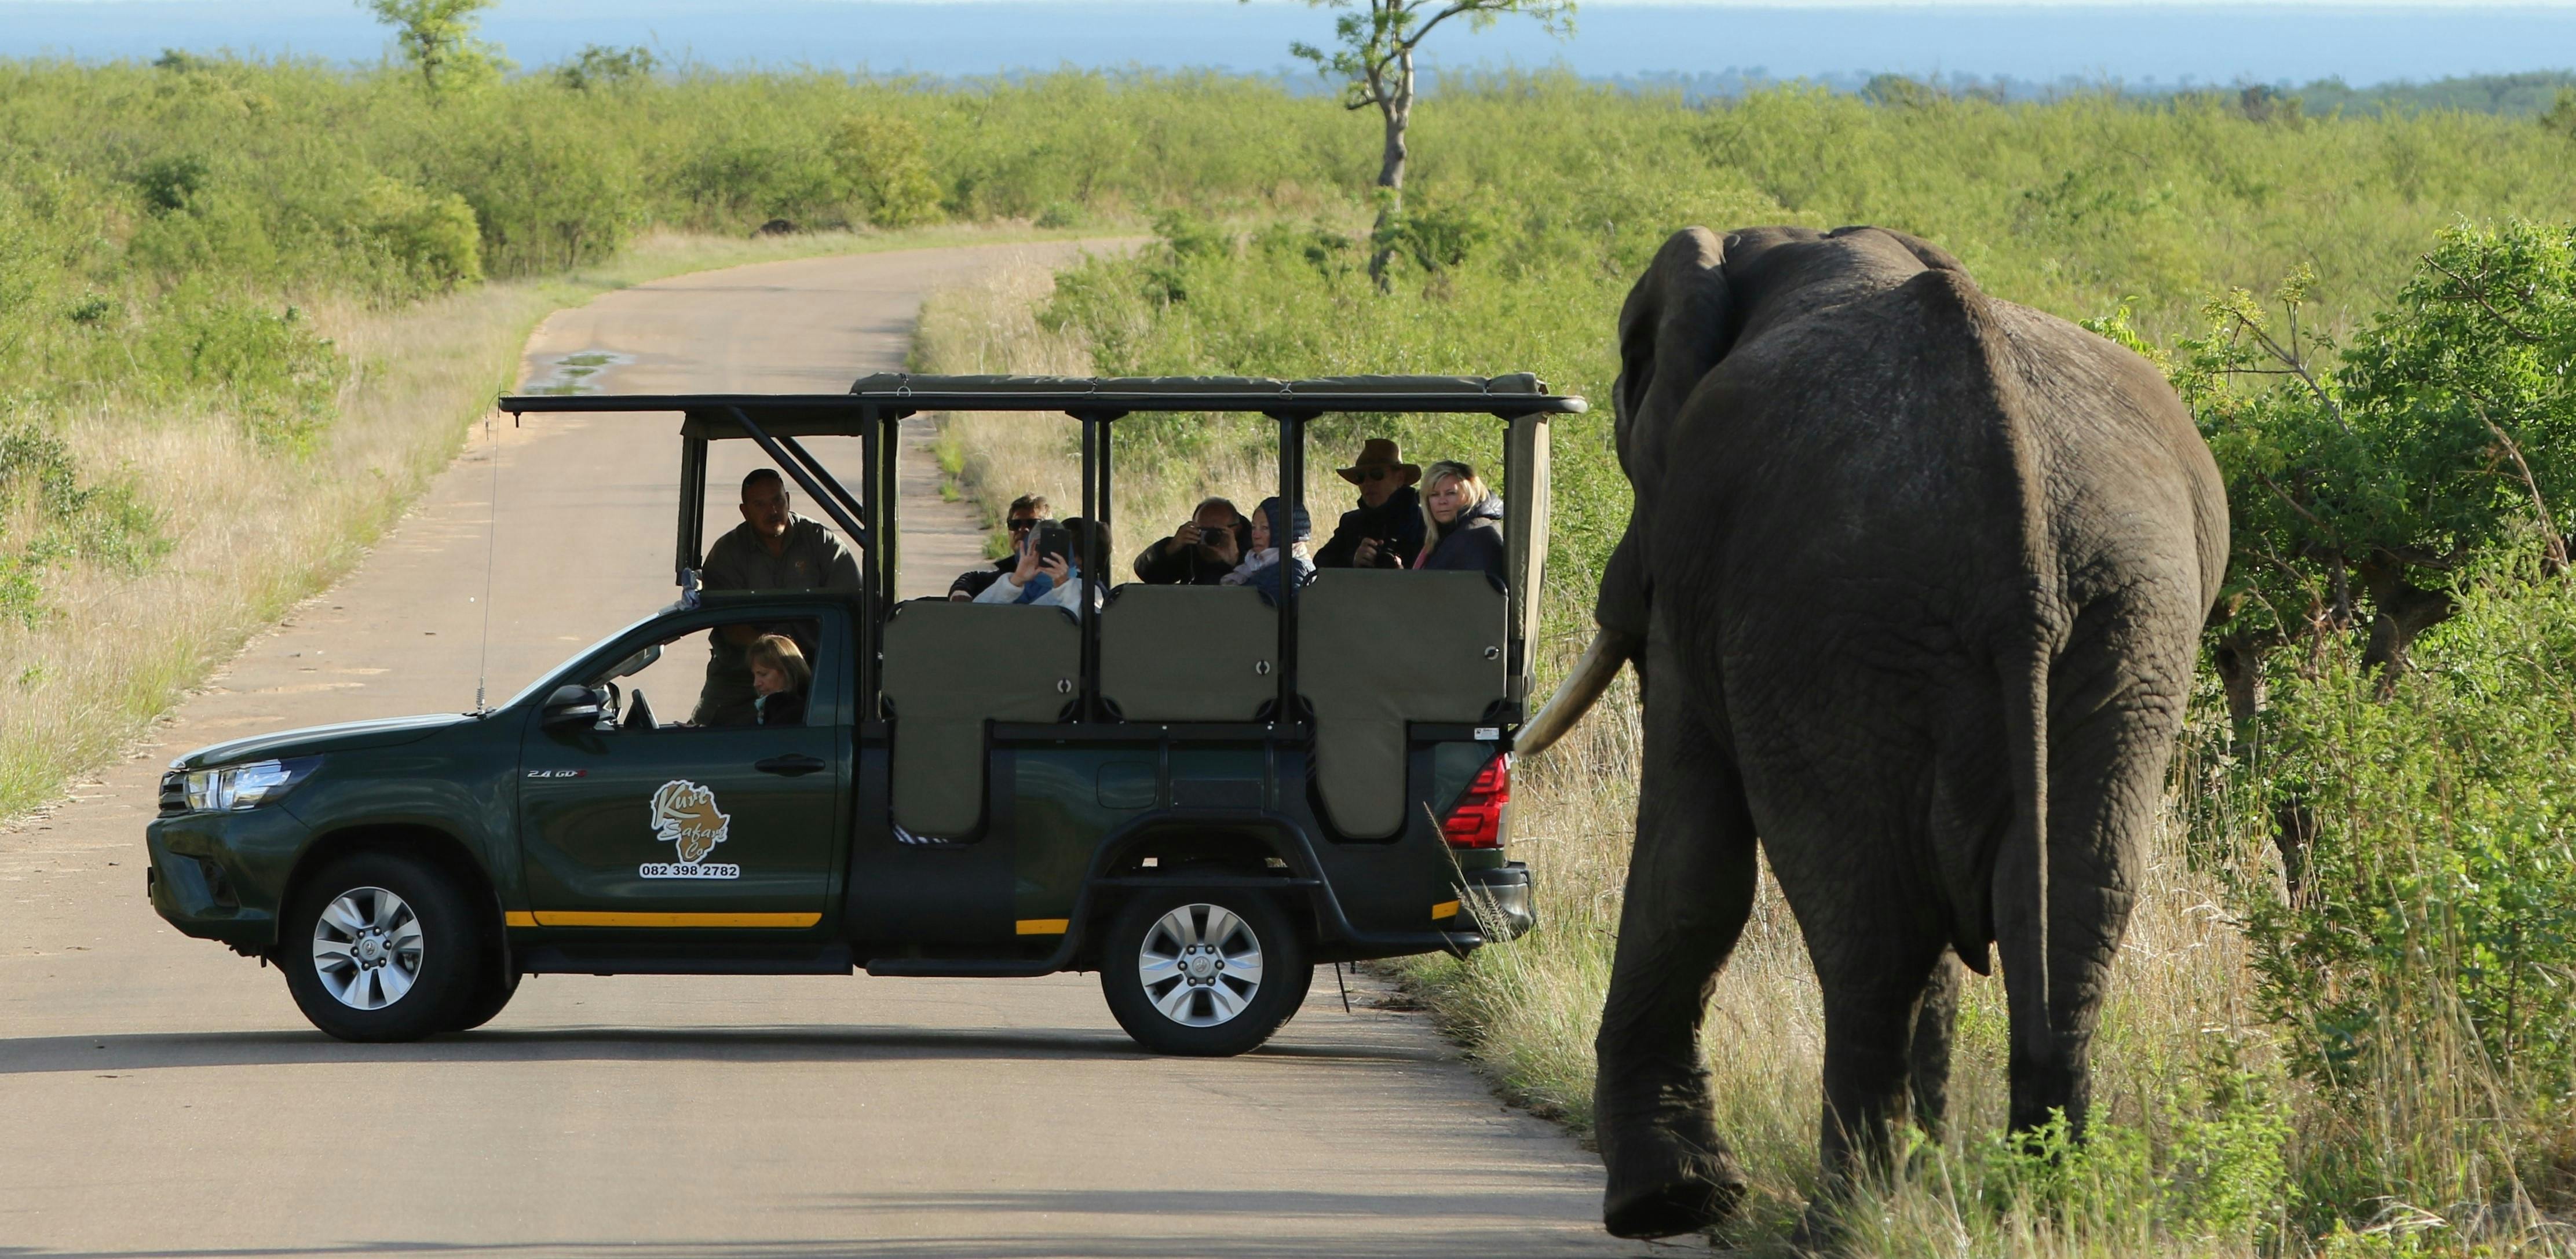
(1194,792)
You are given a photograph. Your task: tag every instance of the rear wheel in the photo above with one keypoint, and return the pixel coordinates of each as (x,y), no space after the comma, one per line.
(381,947)
(1203,973)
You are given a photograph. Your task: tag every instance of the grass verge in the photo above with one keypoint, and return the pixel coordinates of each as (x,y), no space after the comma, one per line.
(249,529)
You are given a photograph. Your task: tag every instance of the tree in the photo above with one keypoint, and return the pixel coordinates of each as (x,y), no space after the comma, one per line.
(2360,488)
(437,39)
(600,66)
(1374,60)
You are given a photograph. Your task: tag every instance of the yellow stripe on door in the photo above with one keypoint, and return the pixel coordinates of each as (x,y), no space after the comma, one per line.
(1044,926)
(1445,909)
(621,918)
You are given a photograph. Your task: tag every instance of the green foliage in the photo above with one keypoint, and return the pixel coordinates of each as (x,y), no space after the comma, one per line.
(598,66)
(101,524)
(2438,925)
(2447,428)
(429,241)
(436,39)
(884,167)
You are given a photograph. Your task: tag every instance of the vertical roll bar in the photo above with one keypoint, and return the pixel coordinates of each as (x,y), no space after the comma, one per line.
(693,509)
(874,560)
(1292,494)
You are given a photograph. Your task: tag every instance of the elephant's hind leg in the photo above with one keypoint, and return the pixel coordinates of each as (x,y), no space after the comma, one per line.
(1690,888)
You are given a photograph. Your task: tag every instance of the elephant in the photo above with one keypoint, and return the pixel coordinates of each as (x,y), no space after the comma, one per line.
(1913,586)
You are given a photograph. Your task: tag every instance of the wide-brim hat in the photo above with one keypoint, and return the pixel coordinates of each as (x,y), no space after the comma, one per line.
(1380,452)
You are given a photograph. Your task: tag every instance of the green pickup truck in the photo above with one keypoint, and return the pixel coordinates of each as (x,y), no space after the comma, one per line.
(973,789)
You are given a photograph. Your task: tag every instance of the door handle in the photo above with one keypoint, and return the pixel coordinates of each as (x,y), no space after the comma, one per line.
(790,765)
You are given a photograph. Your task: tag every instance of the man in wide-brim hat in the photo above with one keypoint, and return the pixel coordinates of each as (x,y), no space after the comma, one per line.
(1386,529)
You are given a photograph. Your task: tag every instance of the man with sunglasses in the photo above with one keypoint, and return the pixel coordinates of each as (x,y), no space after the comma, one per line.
(1026,510)
(1386,530)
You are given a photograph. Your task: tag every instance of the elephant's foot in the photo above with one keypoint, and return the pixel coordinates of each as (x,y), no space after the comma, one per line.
(1665,1186)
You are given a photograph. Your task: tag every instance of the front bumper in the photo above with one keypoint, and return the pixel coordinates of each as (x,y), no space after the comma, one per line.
(1496,902)
(219,876)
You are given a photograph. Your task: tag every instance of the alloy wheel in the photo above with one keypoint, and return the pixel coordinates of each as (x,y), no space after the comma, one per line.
(367,948)
(1201,965)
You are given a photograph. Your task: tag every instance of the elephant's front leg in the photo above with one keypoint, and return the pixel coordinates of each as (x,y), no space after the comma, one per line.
(1690,887)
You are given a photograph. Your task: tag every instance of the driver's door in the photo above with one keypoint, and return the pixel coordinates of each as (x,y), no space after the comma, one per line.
(624,823)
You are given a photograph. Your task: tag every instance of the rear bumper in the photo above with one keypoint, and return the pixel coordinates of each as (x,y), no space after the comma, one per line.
(1496,902)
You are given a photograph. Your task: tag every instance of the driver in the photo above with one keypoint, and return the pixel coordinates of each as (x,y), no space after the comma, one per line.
(772,549)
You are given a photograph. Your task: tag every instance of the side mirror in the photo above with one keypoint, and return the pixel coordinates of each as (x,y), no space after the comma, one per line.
(571,705)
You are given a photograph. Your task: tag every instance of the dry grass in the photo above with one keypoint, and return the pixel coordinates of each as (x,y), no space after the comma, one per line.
(252,530)
(991,326)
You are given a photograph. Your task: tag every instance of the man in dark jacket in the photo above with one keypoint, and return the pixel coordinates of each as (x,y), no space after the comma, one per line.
(1386,530)
(1200,552)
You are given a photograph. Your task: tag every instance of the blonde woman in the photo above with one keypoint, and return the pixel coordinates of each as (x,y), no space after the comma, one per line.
(1465,521)
(779,679)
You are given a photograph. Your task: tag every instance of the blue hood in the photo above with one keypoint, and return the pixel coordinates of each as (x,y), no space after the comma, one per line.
(314,740)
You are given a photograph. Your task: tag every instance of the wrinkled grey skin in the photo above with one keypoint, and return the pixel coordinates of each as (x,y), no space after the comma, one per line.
(1914,582)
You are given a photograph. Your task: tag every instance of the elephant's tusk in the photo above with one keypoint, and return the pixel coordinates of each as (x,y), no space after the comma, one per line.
(1575,696)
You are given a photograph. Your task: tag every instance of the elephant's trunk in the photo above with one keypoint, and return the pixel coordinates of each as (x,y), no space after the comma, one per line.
(1575,696)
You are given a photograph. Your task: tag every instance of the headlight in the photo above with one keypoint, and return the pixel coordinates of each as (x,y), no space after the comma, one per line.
(247,786)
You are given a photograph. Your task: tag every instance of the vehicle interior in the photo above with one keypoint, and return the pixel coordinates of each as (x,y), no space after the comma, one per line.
(1345,665)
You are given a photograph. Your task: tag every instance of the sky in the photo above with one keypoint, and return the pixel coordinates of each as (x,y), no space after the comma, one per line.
(2090,40)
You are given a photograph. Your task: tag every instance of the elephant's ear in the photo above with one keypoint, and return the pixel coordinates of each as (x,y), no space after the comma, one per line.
(1677,323)
(1627,588)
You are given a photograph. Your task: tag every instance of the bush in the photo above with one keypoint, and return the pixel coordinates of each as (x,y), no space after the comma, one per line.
(885,165)
(428,241)
(2425,976)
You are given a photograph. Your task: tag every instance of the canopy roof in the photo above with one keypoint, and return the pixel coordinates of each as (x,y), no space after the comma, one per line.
(805,415)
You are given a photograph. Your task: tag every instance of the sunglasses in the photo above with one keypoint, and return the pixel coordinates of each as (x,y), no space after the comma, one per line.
(1022,522)
(1376,474)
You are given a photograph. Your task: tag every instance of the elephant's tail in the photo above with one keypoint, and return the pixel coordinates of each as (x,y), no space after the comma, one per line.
(2025,643)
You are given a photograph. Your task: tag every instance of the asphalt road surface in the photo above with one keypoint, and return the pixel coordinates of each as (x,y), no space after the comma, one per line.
(160,1096)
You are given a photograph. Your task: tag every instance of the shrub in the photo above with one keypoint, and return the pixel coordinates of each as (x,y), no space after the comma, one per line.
(885,165)
(2425,976)
(428,240)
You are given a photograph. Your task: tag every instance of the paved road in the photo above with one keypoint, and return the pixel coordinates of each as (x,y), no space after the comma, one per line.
(161,1096)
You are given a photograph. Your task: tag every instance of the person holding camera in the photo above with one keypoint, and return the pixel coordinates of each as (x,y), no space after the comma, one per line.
(1386,529)
(1045,569)
(1201,552)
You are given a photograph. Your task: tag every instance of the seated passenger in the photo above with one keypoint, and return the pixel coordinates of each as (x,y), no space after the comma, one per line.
(779,678)
(1466,521)
(1261,569)
(1385,530)
(1044,569)
(772,549)
(1026,510)
(1201,552)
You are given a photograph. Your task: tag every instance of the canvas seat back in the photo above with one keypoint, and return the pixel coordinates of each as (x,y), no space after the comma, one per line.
(1377,650)
(1189,653)
(950,668)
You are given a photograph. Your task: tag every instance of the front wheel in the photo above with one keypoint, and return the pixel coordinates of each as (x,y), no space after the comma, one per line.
(1206,974)
(380,947)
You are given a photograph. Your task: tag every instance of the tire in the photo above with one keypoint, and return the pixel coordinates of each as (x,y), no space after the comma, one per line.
(492,990)
(381,947)
(1174,964)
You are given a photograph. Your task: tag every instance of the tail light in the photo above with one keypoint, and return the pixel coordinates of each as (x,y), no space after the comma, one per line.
(1476,820)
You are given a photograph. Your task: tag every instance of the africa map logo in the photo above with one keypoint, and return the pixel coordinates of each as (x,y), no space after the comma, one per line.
(685,815)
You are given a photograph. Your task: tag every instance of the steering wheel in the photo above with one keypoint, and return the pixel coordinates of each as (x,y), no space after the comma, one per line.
(639,713)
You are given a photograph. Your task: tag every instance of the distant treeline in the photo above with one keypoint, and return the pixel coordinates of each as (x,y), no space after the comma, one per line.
(2527,94)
